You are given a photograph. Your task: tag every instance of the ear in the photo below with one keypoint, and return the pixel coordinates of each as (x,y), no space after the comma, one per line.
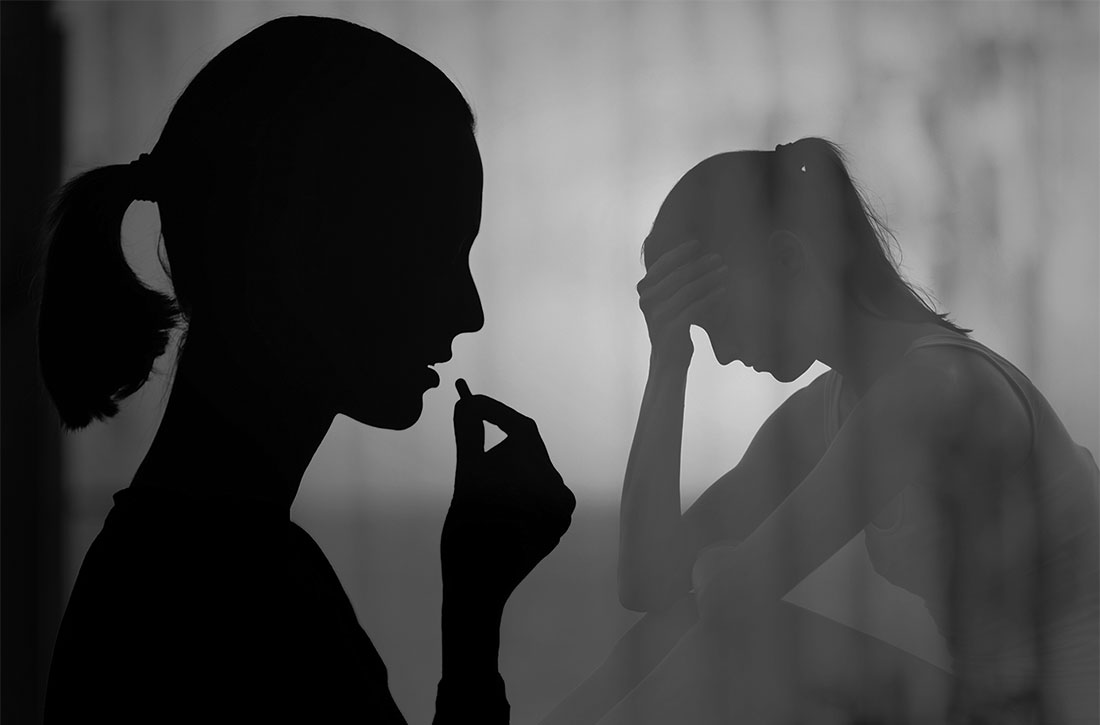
(786,254)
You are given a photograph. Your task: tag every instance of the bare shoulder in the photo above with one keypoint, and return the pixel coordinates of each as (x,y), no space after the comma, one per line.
(954,397)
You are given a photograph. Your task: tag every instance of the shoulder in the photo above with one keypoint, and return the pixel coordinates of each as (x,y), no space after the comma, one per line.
(953,399)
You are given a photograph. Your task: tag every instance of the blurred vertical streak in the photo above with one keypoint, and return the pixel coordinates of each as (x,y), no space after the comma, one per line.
(30,510)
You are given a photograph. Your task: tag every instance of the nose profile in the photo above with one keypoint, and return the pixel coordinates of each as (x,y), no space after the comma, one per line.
(470,315)
(477,318)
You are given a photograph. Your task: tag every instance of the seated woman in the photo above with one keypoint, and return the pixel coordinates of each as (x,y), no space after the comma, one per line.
(969,490)
(319,188)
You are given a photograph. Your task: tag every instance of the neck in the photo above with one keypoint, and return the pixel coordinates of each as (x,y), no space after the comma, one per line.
(228,430)
(867,346)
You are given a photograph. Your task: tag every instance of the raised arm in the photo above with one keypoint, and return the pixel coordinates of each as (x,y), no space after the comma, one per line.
(510,508)
(657,545)
(676,289)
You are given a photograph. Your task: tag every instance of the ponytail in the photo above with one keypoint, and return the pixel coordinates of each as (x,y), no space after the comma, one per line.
(99,328)
(870,276)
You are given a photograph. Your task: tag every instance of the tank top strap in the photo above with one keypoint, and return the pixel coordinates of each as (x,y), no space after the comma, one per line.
(1006,368)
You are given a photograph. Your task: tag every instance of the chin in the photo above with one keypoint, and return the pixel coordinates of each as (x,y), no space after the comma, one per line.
(788,373)
(393,412)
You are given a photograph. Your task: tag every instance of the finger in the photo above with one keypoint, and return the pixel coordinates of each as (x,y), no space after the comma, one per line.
(680,277)
(668,264)
(569,499)
(669,261)
(490,410)
(694,312)
(533,500)
(469,430)
(567,505)
(702,288)
(462,388)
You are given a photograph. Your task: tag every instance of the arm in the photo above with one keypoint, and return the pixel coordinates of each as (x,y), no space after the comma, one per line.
(651,553)
(657,544)
(470,684)
(922,423)
(677,287)
(510,508)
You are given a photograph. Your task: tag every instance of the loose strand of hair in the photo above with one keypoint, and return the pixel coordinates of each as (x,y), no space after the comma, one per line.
(886,244)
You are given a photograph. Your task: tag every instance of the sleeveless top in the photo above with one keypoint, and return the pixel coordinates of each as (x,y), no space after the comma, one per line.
(909,539)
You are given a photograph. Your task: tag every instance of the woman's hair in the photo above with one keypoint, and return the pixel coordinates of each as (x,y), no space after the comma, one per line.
(279,104)
(804,187)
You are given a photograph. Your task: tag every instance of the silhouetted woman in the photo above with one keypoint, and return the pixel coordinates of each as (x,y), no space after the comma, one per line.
(319,189)
(969,490)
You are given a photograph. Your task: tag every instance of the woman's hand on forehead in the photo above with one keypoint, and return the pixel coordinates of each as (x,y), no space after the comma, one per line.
(673,295)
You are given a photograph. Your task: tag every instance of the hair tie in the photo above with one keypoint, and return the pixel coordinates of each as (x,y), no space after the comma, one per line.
(146,185)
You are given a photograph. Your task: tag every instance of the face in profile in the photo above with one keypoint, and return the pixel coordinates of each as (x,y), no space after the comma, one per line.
(766,317)
(387,291)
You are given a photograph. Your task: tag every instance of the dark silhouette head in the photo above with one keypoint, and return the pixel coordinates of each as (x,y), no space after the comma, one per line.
(319,187)
(801,243)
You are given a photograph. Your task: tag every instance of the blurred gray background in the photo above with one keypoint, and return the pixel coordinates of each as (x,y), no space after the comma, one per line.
(973,125)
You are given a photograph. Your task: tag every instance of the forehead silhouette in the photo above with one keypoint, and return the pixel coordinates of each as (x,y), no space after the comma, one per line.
(720,197)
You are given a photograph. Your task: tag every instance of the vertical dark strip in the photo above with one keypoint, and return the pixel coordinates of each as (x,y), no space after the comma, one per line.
(30,440)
